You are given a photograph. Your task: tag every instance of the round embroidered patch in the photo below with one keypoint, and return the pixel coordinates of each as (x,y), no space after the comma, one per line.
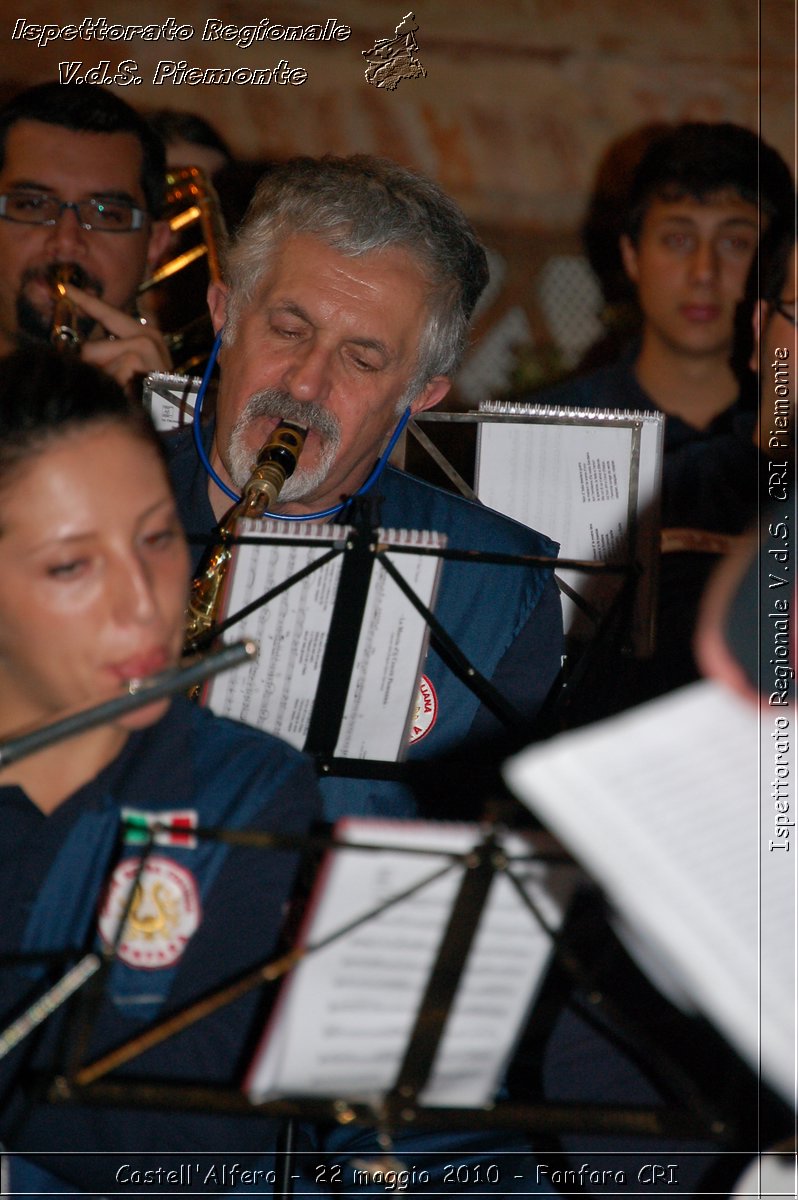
(426,710)
(164,914)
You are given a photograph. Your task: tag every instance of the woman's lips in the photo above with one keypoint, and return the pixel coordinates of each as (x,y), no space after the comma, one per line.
(701,313)
(139,666)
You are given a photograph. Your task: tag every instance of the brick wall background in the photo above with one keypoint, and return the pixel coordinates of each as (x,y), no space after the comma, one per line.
(521,99)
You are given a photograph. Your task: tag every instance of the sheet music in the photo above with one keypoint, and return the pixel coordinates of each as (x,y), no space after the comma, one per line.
(170,399)
(278,692)
(589,479)
(664,813)
(344,1017)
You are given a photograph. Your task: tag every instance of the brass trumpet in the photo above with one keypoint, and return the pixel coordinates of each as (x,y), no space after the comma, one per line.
(65,333)
(276,462)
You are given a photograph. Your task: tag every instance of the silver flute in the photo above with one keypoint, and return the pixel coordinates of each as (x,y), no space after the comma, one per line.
(139,693)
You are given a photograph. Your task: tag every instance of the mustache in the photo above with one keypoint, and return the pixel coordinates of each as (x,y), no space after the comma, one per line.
(78,276)
(34,323)
(274,402)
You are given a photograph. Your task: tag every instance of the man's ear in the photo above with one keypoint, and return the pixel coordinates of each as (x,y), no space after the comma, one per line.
(431,394)
(217,304)
(158,245)
(758,322)
(628,256)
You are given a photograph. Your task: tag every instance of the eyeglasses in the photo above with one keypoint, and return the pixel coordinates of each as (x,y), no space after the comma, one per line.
(787,310)
(40,208)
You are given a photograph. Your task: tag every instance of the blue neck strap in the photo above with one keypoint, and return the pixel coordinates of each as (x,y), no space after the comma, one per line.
(317,516)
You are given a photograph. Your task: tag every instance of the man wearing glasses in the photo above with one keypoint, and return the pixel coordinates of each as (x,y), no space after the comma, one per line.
(81,187)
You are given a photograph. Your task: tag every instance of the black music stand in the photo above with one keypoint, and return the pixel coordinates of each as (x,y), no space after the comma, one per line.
(689,1114)
(400,1106)
(605,645)
(361,552)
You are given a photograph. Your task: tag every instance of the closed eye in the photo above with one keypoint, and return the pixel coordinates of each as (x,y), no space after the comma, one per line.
(161,538)
(366,355)
(363,364)
(284,330)
(68,570)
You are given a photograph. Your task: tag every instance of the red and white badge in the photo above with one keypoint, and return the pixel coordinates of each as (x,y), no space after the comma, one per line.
(165,912)
(426,711)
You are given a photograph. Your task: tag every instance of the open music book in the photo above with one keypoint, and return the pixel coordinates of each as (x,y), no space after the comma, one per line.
(343,1018)
(298,662)
(170,399)
(590,479)
(664,807)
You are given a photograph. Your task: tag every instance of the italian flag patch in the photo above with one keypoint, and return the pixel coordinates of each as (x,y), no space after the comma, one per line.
(177,825)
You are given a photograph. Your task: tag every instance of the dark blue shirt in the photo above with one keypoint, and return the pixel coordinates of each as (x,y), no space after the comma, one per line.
(505,619)
(709,476)
(54,880)
(710,481)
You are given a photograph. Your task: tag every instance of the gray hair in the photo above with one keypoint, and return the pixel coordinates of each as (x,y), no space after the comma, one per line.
(357,205)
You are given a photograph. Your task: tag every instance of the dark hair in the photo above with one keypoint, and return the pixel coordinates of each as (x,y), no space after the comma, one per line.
(771,265)
(766,280)
(700,160)
(90,108)
(45,395)
(171,125)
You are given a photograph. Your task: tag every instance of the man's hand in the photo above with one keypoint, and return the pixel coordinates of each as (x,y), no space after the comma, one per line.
(129,348)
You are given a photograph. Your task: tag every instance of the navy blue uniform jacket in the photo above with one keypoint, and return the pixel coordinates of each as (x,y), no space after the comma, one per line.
(55,872)
(505,619)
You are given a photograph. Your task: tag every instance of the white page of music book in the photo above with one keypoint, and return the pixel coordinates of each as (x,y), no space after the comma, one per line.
(278,691)
(345,1015)
(577,476)
(664,807)
(170,399)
